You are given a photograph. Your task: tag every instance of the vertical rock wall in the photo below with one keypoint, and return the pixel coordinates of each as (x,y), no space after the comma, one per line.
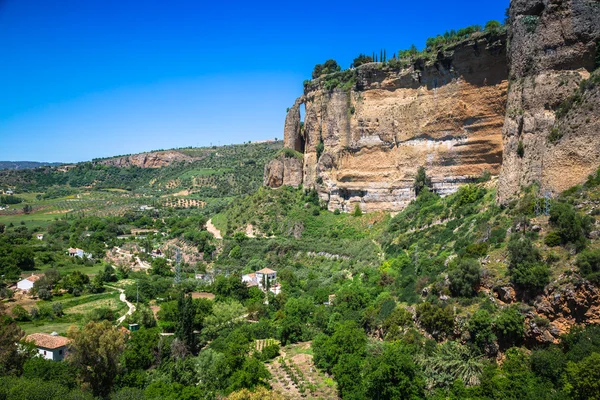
(553,46)
(445,113)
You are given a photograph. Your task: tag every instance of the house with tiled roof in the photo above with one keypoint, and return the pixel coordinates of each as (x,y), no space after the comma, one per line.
(50,346)
(27,284)
(265,279)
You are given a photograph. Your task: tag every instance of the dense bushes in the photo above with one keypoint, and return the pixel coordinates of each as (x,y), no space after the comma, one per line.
(588,263)
(525,266)
(570,226)
(465,277)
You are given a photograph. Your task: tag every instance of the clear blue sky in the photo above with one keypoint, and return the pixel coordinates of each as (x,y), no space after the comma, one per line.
(87,78)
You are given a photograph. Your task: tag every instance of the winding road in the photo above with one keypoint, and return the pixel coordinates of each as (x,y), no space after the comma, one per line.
(124,300)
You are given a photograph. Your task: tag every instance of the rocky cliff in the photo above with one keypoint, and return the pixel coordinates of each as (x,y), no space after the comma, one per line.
(458,114)
(363,143)
(551,133)
(155,159)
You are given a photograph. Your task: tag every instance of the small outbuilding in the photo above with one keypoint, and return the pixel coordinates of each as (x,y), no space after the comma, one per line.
(27,284)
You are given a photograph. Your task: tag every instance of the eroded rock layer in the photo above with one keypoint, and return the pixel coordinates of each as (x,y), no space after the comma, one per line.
(444,114)
(553,47)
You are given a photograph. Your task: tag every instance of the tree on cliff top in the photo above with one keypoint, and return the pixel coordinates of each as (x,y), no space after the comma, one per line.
(327,67)
(361,59)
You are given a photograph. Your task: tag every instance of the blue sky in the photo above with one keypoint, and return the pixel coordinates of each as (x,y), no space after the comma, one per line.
(85,79)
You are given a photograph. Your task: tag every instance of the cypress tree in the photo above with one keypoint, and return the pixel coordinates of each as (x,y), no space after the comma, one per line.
(185,327)
(384,56)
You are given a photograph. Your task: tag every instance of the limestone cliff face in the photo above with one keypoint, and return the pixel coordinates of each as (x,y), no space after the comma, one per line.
(553,45)
(283,171)
(364,145)
(148,160)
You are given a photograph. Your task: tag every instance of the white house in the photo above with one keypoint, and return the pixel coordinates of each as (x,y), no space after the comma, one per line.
(75,252)
(249,280)
(40,236)
(27,284)
(263,278)
(79,253)
(50,346)
(266,276)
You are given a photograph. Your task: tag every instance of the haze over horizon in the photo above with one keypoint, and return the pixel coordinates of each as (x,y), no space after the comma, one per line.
(83,81)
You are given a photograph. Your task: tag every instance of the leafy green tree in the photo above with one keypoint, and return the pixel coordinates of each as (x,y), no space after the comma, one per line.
(436,319)
(298,312)
(348,375)
(588,263)
(549,363)
(421,181)
(510,326)
(465,277)
(252,373)
(19,313)
(525,266)
(481,329)
(95,351)
(394,375)
(224,315)
(583,378)
(161,267)
(141,350)
(75,282)
(11,357)
(48,370)
(348,338)
(492,26)
(570,226)
(362,59)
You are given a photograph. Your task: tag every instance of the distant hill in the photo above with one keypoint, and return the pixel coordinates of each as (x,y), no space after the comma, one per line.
(26,164)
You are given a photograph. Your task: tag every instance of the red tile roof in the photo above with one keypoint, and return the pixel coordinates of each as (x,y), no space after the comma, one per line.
(48,341)
(266,271)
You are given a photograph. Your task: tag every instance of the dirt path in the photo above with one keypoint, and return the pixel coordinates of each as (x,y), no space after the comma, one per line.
(213,229)
(124,300)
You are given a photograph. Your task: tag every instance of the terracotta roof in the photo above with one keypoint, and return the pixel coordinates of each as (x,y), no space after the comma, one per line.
(47,341)
(32,278)
(266,271)
(251,276)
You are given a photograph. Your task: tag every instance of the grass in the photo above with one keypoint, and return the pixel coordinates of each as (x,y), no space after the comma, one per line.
(220,221)
(47,327)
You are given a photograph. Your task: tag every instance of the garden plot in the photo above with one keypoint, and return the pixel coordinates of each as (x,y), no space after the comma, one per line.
(294,375)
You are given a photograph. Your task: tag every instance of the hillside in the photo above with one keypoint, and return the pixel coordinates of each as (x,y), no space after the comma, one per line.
(429,230)
(26,164)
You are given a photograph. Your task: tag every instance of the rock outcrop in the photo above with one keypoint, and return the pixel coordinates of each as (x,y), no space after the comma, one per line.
(553,47)
(364,144)
(561,309)
(148,160)
(283,171)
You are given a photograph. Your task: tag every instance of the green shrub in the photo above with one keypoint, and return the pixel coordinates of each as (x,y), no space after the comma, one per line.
(552,239)
(588,263)
(520,149)
(436,319)
(530,22)
(465,277)
(510,327)
(357,211)
(481,329)
(555,135)
(570,226)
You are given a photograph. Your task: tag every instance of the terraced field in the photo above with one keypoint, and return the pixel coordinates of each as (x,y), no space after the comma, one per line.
(295,376)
